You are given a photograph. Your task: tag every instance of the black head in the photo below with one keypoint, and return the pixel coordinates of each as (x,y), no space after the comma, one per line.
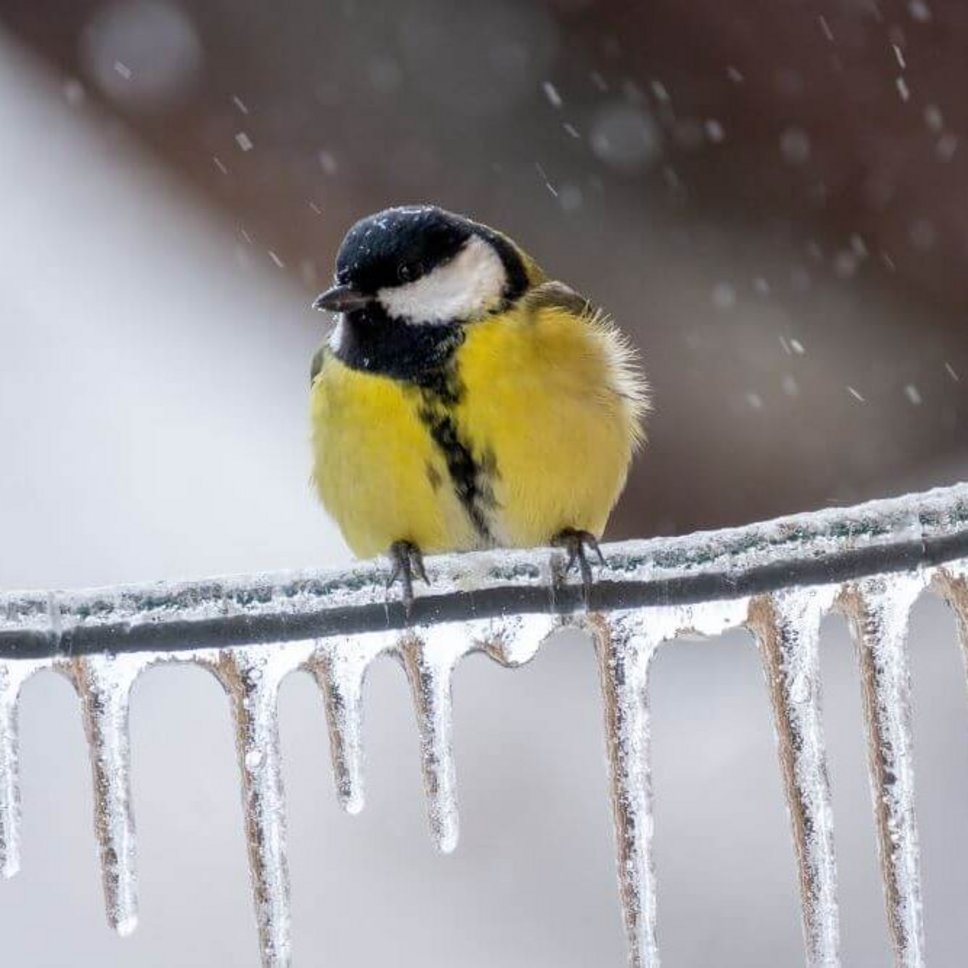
(422,264)
(398,246)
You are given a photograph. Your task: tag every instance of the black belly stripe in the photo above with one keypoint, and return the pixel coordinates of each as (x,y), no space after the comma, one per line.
(471,479)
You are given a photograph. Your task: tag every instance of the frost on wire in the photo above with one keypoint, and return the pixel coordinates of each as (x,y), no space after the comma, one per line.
(776,579)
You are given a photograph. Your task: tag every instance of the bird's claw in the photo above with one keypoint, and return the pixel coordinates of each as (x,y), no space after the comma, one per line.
(407,561)
(575,543)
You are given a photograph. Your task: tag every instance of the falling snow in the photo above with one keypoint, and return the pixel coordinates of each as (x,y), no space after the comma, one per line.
(73,91)
(946,147)
(795,146)
(913,394)
(724,295)
(551,93)
(327,161)
(919,11)
(715,131)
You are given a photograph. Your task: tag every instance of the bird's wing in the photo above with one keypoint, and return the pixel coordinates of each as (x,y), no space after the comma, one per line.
(626,377)
(556,295)
(317,364)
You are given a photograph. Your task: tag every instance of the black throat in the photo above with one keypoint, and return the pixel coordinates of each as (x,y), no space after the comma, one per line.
(374,342)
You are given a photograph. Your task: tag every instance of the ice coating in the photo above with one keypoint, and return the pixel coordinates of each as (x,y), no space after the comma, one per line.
(787,628)
(625,643)
(252,677)
(13,675)
(878,609)
(103,684)
(515,639)
(821,547)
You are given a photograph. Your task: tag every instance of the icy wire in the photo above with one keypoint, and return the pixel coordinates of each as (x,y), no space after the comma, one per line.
(777,579)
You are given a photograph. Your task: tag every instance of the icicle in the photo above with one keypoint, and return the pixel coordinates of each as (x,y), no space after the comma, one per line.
(339,666)
(878,609)
(13,674)
(624,654)
(252,677)
(787,627)
(625,643)
(429,662)
(953,582)
(103,683)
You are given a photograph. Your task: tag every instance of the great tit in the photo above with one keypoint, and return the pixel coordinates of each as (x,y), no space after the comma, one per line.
(464,400)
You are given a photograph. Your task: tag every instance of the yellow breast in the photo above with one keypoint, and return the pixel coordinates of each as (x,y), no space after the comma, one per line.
(377,470)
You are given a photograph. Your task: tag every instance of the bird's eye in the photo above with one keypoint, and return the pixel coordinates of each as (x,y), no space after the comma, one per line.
(408,271)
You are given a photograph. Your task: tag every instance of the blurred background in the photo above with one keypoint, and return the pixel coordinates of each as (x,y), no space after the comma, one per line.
(769,197)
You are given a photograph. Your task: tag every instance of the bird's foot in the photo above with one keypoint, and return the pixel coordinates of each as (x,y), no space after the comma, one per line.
(577,544)
(406,562)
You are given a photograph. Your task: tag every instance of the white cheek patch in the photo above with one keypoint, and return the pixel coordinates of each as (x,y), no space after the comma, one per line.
(336,336)
(464,288)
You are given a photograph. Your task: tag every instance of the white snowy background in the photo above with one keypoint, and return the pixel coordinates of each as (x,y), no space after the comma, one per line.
(153,422)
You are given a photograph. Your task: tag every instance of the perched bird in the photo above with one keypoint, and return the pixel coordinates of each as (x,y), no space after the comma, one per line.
(464,400)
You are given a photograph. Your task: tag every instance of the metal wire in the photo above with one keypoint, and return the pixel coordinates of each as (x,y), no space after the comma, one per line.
(836,545)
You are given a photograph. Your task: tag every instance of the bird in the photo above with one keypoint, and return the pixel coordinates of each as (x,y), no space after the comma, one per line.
(464,400)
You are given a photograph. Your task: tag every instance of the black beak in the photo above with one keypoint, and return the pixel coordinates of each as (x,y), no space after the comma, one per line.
(341,299)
